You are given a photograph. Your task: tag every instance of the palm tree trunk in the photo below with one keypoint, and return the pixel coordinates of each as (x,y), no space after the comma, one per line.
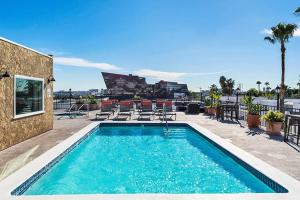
(282,86)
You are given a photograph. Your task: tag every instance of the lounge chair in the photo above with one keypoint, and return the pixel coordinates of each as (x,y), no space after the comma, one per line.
(106,109)
(168,109)
(146,109)
(159,105)
(125,108)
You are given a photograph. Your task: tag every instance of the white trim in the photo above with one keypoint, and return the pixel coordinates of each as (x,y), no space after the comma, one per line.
(20,45)
(10,183)
(43,95)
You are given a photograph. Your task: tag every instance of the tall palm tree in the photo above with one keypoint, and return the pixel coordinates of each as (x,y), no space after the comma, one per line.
(258,85)
(297,11)
(281,33)
(267,84)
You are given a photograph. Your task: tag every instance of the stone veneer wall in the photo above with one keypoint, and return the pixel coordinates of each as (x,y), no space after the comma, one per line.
(18,60)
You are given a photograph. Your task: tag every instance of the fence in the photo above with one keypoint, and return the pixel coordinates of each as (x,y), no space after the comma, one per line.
(65,104)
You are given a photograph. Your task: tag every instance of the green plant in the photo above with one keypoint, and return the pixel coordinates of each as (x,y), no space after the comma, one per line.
(217,97)
(281,33)
(273,116)
(92,99)
(253,109)
(227,85)
(253,92)
(80,100)
(136,97)
(297,12)
(207,102)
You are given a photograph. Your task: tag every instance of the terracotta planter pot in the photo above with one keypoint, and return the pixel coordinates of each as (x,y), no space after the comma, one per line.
(253,121)
(211,110)
(206,110)
(273,128)
(218,111)
(93,106)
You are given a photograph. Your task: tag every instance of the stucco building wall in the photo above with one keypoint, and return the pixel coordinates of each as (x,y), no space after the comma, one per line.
(18,60)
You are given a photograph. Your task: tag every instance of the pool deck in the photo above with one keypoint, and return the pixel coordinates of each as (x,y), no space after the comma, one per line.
(272,150)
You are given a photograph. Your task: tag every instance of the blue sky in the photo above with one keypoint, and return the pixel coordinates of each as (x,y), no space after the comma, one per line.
(191,41)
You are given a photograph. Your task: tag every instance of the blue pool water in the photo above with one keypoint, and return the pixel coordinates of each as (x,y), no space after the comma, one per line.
(141,159)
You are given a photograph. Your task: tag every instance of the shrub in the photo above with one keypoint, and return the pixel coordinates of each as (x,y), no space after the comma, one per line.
(92,99)
(253,109)
(273,116)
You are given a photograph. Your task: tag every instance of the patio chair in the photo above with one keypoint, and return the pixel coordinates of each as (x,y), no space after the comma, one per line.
(146,109)
(168,109)
(292,120)
(106,109)
(125,108)
(159,106)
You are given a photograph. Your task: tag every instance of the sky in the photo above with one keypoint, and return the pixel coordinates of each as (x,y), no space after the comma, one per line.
(190,41)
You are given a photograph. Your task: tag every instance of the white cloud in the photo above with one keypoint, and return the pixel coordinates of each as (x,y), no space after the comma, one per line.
(80,62)
(171,76)
(269,32)
(266,31)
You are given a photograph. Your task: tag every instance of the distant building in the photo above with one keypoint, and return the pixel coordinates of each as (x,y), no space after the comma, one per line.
(94,92)
(130,85)
(119,84)
(66,93)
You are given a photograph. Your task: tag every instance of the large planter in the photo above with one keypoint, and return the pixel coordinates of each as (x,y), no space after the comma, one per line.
(273,128)
(218,111)
(206,109)
(211,110)
(93,106)
(253,121)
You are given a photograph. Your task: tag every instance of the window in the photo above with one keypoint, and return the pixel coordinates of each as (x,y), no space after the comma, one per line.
(29,96)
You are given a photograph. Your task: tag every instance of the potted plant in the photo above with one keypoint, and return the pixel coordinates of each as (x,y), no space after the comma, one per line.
(211,108)
(207,105)
(217,104)
(274,121)
(253,112)
(93,103)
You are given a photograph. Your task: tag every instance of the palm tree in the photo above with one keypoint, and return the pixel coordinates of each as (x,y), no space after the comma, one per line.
(281,34)
(258,85)
(267,84)
(297,11)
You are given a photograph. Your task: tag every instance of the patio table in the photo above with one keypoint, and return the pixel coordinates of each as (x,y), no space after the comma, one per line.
(291,120)
(226,110)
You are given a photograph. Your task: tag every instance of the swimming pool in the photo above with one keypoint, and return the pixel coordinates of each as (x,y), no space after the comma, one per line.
(144,158)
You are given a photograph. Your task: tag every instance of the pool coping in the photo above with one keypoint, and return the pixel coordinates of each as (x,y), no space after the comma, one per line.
(16,179)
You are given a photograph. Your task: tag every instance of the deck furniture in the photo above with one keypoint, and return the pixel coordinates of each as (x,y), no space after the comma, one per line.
(228,111)
(193,108)
(125,108)
(146,109)
(74,111)
(107,109)
(292,120)
(180,106)
(159,106)
(168,109)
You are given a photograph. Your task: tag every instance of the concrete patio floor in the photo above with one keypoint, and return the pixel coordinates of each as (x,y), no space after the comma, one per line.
(269,149)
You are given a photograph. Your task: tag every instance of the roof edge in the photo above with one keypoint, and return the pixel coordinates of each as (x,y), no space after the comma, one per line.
(20,45)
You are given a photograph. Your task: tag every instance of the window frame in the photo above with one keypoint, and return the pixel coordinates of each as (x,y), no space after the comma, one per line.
(43,97)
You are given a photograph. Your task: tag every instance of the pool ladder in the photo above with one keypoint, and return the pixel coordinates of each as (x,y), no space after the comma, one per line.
(166,120)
